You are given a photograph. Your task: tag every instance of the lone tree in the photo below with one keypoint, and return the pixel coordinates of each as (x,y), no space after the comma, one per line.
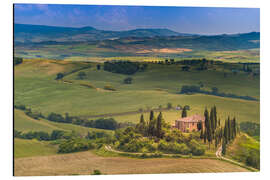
(128,80)
(184,112)
(59,76)
(169,106)
(81,75)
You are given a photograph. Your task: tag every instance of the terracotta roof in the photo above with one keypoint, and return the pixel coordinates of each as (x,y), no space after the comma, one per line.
(194,118)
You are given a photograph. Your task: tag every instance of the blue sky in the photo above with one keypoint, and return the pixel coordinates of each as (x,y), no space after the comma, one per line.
(181,19)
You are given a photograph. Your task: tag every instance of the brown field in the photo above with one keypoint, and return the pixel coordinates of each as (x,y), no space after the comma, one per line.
(85,162)
(165,50)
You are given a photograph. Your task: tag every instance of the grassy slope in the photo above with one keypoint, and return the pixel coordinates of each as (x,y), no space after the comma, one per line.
(25,123)
(243,144)
(29,148)
(35,87)
(85,162)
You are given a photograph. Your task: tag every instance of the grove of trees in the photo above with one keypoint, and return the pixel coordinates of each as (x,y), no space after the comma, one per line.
(17,60)
(124,67)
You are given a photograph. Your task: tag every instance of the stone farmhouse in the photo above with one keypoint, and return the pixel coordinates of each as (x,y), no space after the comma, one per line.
(189,124)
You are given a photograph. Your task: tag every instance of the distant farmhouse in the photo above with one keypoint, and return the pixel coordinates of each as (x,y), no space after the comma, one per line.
(189,124)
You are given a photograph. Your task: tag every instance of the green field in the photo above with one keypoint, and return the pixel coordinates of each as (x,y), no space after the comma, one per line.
(35,87)
(29,148)
(245,149)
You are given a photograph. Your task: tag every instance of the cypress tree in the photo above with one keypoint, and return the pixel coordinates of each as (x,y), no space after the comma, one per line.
(151,115)
(216,141)
(204,136)
(212,120)
(184,112)
(229,129)
(151,128)
(201,135)
(208,127)
(206,117)
(215,116)
(225,133)
(224,148)
(142,125)
(234,127)
(159,125)
(142,119)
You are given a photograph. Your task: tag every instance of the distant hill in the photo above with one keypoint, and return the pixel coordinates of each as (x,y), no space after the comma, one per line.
(38,33)
(132,40)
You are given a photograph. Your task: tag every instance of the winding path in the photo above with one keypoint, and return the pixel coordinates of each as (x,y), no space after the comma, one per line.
(219,156)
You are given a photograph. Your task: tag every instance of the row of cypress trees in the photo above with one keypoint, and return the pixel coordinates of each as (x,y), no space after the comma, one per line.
(214,132)
(153,127)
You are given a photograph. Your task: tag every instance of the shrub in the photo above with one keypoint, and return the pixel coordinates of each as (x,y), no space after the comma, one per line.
(253,159)
(251,128)
(169,106)
(190,89)
(57,134)
(196,148)
(105,124)
(56,117)
(17,60)
(96,172)
(75,145)
(128,80)
(173,147)
(59,76)
(21,107)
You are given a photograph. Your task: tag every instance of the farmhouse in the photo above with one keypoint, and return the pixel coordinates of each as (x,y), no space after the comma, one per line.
(191,123)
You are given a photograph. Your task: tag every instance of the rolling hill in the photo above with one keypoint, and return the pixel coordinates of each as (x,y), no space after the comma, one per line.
(34,41)
(38,33)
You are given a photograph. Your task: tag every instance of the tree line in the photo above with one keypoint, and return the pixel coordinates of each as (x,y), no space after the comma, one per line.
(213,131)
(68,141)
(43,136)
(191,89)
(102,123)
(124,67)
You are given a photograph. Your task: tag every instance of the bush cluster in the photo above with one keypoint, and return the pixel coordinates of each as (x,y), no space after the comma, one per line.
(43,136)
(75,145)
(174,142)
(251,128)
(124,67)
(17,60)
(102,123)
